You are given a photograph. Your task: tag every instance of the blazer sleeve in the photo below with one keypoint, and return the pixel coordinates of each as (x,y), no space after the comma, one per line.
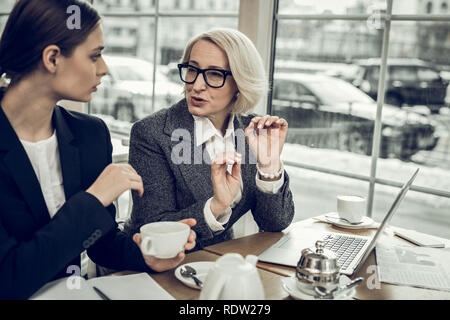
(116,249)
(274,212)
(26,266)
(159,202)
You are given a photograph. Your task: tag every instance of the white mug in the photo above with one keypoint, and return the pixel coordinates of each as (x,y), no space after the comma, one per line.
(351,208)
(164,239)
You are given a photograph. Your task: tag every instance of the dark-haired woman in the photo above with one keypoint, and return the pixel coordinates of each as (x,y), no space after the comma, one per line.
(57,183)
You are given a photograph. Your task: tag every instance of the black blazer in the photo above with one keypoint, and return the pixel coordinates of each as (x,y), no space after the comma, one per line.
(35,249)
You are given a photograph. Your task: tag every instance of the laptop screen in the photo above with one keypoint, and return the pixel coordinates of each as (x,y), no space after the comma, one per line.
(388,217)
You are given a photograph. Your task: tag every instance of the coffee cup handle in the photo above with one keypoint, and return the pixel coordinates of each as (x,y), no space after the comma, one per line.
(146,246)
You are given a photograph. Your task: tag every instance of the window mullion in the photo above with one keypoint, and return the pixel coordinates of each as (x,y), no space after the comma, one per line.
(380,101)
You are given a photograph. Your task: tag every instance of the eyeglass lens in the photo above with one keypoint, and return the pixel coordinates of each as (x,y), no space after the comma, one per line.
(213,78)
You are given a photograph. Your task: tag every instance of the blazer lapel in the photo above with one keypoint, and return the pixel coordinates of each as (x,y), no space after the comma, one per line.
(68,153)
(22,172)
(196,173)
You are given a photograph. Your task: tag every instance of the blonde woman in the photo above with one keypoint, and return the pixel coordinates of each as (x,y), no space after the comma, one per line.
(203,157)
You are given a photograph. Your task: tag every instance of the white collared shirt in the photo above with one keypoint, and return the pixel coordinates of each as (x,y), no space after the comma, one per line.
(216,143)
(44,157)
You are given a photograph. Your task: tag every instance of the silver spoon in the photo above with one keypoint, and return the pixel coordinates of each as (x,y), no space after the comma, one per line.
(189,272)
(343,219)
(323,294)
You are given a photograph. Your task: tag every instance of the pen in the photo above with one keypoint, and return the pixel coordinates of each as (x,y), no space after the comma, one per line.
(101,294)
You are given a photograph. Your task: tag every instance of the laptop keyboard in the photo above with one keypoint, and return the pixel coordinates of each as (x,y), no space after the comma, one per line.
(346,248)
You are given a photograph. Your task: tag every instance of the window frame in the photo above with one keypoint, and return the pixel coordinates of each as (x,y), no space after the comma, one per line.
(385,19)
(258,19)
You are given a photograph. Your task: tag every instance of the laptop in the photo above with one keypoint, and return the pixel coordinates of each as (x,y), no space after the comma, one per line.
(351,250)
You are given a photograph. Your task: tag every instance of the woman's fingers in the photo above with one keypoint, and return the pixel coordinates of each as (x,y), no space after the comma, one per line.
(190,222)
(262,122)
(191,241)
(134,179)
(192,235)
(282,123)
(138,186)
(236,169)
(113,181)
(160,265)
(137,238)
(226,158)
(266,122)
(271,120)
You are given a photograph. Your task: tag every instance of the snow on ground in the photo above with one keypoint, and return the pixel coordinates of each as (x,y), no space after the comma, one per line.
(392,169)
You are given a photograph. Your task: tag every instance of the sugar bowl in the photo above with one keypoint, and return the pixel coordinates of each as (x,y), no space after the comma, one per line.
(317,267)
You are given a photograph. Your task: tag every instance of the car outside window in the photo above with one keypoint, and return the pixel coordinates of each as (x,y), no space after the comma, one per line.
(403,73)
(290,90)
(427,74)
(335,90)
(373,73)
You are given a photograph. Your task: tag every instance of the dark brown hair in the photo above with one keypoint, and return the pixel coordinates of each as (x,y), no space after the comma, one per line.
(35,24)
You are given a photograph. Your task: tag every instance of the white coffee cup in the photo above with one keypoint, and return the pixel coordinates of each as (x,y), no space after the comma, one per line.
(351,207)
(164,239)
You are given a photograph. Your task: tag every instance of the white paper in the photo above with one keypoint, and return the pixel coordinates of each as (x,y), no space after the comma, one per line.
(414,266)
(69,288)
(130,287)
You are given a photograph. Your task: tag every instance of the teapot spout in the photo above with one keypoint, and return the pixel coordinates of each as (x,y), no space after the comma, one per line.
(252,259)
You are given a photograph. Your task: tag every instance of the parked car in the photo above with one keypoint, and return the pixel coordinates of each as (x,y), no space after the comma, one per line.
(126,92)
(409,81)
(327,112)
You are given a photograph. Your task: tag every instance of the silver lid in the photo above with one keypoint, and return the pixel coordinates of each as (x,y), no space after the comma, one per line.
(318,265)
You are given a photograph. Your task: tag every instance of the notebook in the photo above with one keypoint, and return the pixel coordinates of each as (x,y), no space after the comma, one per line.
(130,287)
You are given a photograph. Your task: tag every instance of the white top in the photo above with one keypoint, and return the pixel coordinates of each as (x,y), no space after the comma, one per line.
(44,157)
(216,143)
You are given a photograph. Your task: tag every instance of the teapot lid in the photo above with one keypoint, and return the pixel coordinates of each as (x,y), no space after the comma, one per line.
(318,262)
(234,263)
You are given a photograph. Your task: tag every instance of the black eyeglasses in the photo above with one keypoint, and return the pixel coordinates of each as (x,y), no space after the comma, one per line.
(215,78)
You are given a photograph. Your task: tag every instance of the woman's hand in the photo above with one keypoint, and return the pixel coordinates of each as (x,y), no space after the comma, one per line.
(266,136)
(225,185)
(113,181)
(160,265)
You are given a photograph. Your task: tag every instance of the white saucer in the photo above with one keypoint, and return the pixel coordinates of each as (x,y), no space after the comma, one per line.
(366,222)
(290,286)
(202,268)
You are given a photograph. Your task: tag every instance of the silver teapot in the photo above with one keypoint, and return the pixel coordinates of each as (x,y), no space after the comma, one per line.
(317,268)
(318,273)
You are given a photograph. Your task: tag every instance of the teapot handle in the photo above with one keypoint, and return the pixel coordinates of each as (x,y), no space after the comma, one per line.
(211,291)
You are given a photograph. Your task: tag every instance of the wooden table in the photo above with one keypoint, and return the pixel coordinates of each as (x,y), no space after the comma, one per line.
(272,275)
(271,281)
(257,243)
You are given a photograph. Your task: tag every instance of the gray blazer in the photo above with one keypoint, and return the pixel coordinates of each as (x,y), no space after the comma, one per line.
(179,191)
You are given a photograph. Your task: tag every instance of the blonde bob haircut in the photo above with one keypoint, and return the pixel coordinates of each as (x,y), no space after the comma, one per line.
(245,64)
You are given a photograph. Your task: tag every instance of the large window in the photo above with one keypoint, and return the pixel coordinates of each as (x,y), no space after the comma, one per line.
(350,132)
(144,42)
